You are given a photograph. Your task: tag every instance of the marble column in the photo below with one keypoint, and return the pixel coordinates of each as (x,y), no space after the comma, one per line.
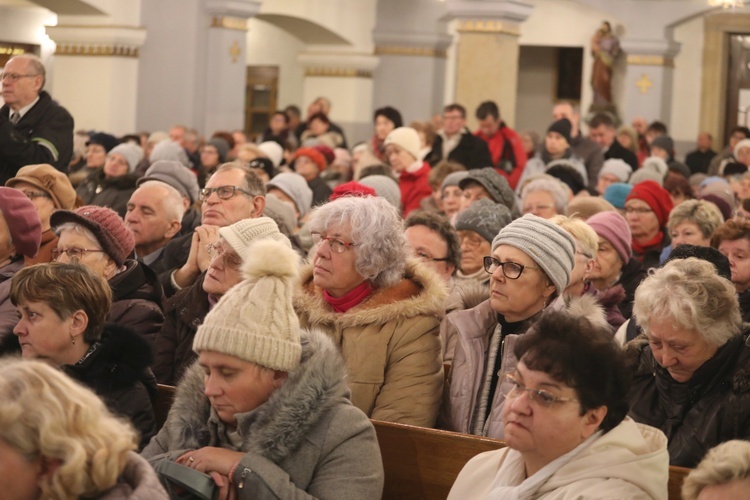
(96,74)
(486,53)
(648,79)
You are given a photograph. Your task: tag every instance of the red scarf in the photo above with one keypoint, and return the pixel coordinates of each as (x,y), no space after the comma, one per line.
(350,299)
(639,249)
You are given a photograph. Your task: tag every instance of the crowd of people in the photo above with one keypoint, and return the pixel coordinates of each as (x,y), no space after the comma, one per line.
(580,297)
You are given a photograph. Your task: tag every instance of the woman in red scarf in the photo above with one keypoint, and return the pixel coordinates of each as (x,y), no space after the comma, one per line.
(647,209)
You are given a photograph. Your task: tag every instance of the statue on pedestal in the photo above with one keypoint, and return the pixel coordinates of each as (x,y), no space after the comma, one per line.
(605,47)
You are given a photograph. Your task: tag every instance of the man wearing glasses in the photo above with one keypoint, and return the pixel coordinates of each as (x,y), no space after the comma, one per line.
(33,128)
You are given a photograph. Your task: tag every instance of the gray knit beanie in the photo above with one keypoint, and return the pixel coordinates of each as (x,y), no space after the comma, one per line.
(484,217)
(168,150)
(495,184)
(453,179)
(294,186)
(616,167)
(549,245)
(384,187)
(255,320)
(133,154)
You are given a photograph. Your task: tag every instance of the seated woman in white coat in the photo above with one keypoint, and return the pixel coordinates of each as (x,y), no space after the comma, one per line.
(565,424)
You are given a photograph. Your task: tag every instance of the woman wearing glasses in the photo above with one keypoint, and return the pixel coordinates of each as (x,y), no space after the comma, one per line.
(97,238)
(647,209)
(62,310)
(185,311)
(565,424)
(530,265)
(477,225)
(381,308)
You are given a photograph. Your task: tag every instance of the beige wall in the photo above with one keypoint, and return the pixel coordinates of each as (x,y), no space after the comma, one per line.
(686,93)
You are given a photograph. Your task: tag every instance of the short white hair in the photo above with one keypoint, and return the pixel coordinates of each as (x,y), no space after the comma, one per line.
(559,191)
(727,462)
(172,203)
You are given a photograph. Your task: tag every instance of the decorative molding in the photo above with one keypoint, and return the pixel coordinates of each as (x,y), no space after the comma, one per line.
(338,72)
(95,50)
(516,11)
(229,23)
(397,50)
(650,60)
(486,26)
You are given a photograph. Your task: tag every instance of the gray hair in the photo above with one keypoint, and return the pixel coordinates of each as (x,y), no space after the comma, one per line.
(72,226)
(377,230)
(252,182)
(37,66)
(727,462)
(556,188)
(172,202)
(691,294)
(703,214)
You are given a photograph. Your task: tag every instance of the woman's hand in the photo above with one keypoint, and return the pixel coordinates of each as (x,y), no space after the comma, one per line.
(226,490)
(210,459)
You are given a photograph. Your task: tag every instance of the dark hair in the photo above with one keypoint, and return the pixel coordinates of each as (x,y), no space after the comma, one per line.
(293,110)
(227,136)
(568,175)
(319,116)
(487,108)
(280,112)
(602,119)
(731,230)
(455,107)
(442,226)
(677,185)
(709,254)
(583,356)
(657,126)
(441,171)
(391,114)
(745,131)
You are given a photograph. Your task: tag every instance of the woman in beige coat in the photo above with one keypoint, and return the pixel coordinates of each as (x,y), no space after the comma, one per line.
(381,308)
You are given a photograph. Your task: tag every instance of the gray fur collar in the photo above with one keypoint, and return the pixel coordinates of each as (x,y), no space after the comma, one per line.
(275,429)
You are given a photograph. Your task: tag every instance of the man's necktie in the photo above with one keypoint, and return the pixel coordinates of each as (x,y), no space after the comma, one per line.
(14,117)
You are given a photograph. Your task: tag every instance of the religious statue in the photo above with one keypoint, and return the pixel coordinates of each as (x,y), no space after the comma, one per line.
(605,47)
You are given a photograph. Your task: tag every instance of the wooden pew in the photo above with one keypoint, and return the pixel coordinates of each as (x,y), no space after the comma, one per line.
(424,463)
(676,477)
(164,399)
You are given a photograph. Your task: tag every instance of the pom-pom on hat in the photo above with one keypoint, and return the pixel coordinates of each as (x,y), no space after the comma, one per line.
(255,320)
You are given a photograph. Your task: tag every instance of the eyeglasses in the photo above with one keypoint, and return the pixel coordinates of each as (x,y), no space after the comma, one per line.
(511,270)
(470,240)
(538,396)
(223,192)
(231,259)
(336,245)
(35,194)
(639,211)
(14,77)
(73,253)
(424,256)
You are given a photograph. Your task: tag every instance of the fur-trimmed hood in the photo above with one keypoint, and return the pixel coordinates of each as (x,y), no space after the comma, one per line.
(586,306)
(420,292)
(275,429)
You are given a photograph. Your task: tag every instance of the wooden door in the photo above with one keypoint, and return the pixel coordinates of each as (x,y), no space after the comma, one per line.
(261,93)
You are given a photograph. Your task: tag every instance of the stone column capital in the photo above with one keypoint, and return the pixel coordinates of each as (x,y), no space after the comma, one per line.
(515,11)
(97,40)
(338,64)
(241,9)
(659,52)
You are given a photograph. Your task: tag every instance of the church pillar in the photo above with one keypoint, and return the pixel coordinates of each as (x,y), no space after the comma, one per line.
(648,79)
(485,65)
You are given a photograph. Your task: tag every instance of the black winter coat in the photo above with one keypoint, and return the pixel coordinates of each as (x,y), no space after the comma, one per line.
(173,347)
(43,135)
(630,277)
(616,150)
(471,151)
(710,408)
(114,192)
(137,300)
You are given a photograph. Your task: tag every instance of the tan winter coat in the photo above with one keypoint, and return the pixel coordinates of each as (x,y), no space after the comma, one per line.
(390,343)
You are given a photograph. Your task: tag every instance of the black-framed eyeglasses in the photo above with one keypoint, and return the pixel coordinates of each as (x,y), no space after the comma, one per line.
(220,249)
(223,192)
(424,256)
(511,270)
(32,195)
(336,245)
(514,388)
(73,253)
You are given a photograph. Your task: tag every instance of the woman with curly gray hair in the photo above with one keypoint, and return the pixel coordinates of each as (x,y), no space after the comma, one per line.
(380,306)
(690,374)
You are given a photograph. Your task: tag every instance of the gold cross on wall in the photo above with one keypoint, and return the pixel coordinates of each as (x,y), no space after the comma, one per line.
(235,51)
(644,83)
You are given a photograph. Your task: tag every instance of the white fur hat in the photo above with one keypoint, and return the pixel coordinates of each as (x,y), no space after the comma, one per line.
(407,139)
(273,151)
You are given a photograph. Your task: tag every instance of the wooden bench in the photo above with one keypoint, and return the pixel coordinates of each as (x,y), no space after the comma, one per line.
(676,477)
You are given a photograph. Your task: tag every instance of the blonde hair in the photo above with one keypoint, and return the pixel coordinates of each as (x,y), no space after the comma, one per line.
(581,232)
(46,414)
(723,464)
(703,214)
(691,294)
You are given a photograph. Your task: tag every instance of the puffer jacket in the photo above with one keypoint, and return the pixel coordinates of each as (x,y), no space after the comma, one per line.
(137,300)
(306,441)
(138,481)
(173,347)
(479,342)
(390,343)
(710,408)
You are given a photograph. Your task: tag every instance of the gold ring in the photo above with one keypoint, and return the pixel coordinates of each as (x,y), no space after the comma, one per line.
(191,460)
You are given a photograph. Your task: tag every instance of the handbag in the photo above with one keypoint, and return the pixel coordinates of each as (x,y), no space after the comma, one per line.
(184,483)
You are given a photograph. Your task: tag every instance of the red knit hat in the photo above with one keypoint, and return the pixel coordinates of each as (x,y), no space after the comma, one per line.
(22,220)
(655,196)
(110,231)
(352,188)
(327,152)
(315,155)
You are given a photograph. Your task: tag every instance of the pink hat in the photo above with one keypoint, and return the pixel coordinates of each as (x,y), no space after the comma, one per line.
(614,228)
(110,231)
(23,221)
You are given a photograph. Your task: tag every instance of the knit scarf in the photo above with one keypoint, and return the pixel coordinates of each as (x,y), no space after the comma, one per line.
(639,249)
(352,298)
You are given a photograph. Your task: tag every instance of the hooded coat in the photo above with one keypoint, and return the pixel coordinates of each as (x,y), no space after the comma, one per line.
(630,461)
(390,343)
(137,300)
(306,441)
(479,341)
(114,192)
(710,408)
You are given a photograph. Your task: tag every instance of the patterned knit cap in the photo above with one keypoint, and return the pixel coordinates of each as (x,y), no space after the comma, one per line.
(255,321)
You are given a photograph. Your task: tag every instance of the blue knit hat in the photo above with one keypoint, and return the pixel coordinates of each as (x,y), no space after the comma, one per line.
(617,193)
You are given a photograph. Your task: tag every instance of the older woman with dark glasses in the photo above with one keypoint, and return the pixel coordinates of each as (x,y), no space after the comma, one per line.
(379,306)
(531,263)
